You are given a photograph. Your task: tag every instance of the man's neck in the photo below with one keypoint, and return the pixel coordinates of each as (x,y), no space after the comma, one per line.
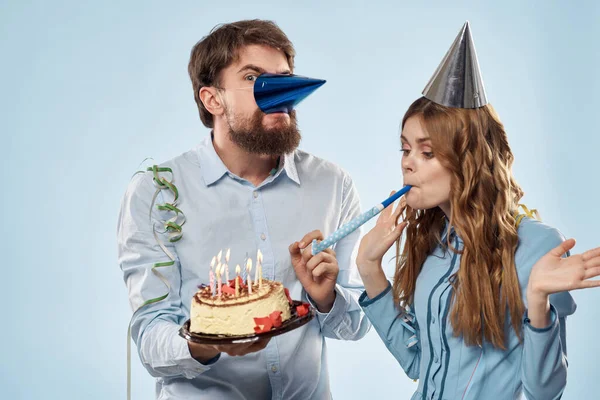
(254,168)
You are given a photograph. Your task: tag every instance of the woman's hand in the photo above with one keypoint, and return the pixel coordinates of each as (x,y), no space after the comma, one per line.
(375,244)
(554,273)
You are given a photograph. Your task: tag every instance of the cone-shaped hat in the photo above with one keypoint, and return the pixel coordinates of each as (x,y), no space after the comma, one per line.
(457,82)
(282,93)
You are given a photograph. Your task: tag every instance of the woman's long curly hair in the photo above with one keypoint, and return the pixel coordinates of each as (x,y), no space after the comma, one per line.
(472,144)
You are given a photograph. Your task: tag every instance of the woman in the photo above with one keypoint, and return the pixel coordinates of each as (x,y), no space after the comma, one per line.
(480,294)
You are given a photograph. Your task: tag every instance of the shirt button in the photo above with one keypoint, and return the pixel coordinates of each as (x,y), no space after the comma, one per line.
(263,236)
(435,360)
(274,368)
(433,320)
(255,194)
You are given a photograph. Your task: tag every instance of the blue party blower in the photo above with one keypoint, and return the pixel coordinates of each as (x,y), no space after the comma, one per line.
(282,93)
(356,223)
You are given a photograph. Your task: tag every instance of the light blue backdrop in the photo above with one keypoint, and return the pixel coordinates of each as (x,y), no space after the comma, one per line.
(89,89)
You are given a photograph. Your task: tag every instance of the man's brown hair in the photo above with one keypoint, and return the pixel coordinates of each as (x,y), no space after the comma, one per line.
(221,47)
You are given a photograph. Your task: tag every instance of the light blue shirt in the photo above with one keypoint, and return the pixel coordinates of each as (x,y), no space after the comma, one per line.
(424,344)
(224,211)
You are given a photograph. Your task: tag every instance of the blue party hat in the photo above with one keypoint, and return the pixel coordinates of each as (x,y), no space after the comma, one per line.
(282,93)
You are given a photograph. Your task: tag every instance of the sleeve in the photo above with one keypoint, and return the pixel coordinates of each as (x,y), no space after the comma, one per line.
(154,326)
(544,363)
(398,330)
(346,319)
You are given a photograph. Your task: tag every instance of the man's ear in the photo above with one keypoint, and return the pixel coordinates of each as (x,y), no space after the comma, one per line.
(211,100)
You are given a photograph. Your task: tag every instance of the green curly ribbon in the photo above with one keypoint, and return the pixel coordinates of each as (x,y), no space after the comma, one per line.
(173,228)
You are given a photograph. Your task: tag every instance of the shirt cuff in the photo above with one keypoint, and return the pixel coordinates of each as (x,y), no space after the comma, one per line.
(553,322)
(188,365)
(365,301)
(336,314)
(211,361)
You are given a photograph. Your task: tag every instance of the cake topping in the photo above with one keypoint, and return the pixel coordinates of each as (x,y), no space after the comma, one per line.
(228,289)
(302,310)
(265,324)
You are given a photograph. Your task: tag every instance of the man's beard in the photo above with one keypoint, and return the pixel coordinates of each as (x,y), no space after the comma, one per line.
(253,137)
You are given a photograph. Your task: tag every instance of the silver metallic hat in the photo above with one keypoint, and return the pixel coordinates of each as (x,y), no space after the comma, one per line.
(457,81)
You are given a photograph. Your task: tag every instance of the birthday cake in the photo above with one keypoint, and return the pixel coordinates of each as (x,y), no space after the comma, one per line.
(265,306)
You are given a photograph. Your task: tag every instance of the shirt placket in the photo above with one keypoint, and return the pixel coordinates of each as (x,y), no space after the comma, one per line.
(438,308)
(438,320)
(259,220)
(434,327)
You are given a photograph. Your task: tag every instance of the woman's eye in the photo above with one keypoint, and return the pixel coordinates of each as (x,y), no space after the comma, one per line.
(251,78)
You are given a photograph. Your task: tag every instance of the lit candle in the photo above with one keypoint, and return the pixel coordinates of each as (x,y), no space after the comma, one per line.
(224,269)
(227,267)
(237,280)
(212,276)
(248,270)
(259,258)
(219,260)
(218,271)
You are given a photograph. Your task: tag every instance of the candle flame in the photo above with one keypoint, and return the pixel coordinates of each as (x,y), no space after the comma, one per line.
(212,263)
(237,269)
(259,256)
(227,255)
(219,255)
(249,264)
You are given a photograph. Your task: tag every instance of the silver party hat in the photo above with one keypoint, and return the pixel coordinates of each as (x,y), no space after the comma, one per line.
(457,82)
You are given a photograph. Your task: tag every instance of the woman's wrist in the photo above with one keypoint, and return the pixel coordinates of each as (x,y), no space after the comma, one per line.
(373,277)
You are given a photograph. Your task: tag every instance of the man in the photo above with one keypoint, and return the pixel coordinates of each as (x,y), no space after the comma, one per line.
(245,188)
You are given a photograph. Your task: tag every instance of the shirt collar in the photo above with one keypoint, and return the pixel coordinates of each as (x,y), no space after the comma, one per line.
(211,165)
(289,166)
(213,169)
(453,235)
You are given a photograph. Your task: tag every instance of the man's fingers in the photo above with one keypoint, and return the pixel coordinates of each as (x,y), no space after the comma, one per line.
(294,249)
(242,349)
(319,258)
(309,237)
(329,250)
(325,268)
(261,344)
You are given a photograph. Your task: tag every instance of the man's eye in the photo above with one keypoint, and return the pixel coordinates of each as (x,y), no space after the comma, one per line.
(251,78)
